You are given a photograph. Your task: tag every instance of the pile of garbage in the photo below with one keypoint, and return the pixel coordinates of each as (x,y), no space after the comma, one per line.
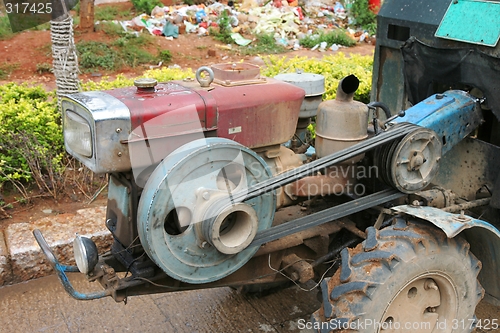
(286,20)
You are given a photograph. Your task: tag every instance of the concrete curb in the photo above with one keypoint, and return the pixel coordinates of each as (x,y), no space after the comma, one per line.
(20,256)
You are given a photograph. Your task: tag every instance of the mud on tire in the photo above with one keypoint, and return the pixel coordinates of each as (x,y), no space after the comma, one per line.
(407,274)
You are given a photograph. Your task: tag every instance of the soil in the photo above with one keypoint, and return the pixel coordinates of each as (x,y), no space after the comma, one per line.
(28,49)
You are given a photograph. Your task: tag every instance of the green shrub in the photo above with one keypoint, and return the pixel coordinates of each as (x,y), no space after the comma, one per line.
(165,55)
(263,44)
(6,69)
(363,16)
(337,36)
(224,31)
(31,143)
(332,67)
(31,140)
(146,6)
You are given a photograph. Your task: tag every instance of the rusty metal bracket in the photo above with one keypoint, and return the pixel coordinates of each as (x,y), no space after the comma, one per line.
(451,224)
(61,271)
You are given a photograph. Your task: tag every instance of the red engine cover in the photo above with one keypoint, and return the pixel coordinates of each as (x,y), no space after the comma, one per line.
(254,115)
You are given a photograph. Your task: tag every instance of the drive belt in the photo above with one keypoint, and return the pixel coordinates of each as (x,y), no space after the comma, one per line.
(313,168)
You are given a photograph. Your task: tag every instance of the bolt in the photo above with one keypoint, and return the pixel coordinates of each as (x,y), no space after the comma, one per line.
(118,130)
(415,203)
(294,276)
(119,154)
(203,244)
(430,284)
(205,195)
(439,96)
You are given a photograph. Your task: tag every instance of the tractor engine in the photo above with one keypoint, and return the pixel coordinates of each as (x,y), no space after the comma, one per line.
(172,150)
(197,169)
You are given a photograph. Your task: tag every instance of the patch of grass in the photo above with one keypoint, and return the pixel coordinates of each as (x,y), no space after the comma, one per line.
(110,28)
(127,50)
(43,68)
(109,13)
(5,29)
(263,44)
(134,57)
(146,6)
(95,55)
(6,69)
(46,49)
(337,36)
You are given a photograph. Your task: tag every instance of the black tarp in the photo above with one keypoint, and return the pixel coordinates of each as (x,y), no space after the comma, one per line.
(426,68)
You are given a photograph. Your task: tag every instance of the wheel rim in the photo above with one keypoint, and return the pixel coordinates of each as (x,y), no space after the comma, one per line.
(187,180)
(424,302)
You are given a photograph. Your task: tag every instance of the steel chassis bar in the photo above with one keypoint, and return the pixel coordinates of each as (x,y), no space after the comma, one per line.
(325,216)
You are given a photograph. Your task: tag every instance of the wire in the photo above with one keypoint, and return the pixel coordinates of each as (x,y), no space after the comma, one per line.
(300,287)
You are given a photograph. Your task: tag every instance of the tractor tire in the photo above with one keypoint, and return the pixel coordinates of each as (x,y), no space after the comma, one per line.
(407,277)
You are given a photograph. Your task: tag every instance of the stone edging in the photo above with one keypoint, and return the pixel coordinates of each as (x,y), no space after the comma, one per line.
(20,257)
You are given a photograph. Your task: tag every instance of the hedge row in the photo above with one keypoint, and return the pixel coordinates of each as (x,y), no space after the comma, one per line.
(31,131)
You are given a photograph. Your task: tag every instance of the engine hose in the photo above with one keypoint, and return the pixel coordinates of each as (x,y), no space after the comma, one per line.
(387,111)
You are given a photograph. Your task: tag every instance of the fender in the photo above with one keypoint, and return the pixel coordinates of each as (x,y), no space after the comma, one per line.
(483,238)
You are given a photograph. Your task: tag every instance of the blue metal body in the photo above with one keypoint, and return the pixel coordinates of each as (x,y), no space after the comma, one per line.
(451,224)
(452,115)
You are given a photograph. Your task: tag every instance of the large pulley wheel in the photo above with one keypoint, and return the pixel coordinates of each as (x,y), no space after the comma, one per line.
(407,277)
(411,163)
(174,222)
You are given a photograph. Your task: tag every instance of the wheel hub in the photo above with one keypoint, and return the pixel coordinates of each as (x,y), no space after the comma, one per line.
(421,305)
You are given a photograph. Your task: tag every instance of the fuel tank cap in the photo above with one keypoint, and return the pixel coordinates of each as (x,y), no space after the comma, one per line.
(145,84)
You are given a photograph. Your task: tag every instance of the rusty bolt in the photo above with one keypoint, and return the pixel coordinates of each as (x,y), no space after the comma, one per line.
(119,154)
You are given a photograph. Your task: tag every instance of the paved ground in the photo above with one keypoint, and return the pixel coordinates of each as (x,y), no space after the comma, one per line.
(42,306)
